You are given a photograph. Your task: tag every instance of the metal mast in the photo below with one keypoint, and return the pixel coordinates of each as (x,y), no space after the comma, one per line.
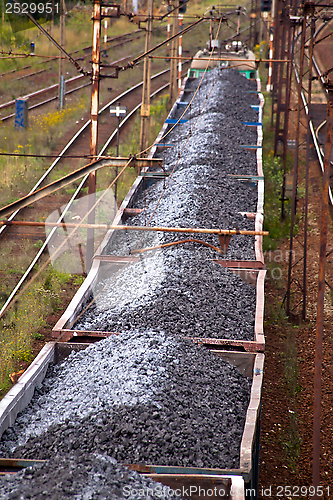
(94,124)
(145,107)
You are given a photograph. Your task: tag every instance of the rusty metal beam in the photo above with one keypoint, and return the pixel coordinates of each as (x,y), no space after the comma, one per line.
(194,230)
(74,176)
(145,106)
(130,212)
(306,200)
(116,259)
(65,334)
(240,264)
(158,46)
(321,294)
(246,345)
(93,126)
(173,58)
(222,59)
(295,172)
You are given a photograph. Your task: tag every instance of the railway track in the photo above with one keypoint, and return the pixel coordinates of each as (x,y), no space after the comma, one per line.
(171,354)
(316,111)
(71,83)
(86,50)
(77,146)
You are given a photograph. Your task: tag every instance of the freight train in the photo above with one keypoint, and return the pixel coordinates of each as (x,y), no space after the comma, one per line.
(234,54)
(173,389)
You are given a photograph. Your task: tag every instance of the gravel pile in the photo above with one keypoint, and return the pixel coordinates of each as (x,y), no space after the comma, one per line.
(194,417)
(168,291)
(202,191)
(180,289)
(80,477)
(148,395)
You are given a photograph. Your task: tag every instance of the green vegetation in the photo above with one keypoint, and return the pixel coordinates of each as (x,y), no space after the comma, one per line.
(19,174)
(20,326)
(288,435)
(273,172)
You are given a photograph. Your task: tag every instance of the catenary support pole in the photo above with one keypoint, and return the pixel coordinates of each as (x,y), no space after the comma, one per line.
(61,91)
(321,295)
(291,33)
(94,125)
(306,199)
(173,62)
(168,31)
(145,106)
(295,172)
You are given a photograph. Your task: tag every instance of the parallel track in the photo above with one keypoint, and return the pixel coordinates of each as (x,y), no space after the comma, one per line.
(69,145)
(54,88)
(317,144)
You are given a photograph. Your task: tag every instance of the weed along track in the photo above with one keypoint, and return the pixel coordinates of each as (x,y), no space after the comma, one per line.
(157,363)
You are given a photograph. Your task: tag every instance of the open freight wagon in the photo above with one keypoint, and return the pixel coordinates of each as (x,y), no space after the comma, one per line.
(245,354)
(236,483)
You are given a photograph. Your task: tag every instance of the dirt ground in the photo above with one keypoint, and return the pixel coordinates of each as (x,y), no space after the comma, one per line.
(287,399)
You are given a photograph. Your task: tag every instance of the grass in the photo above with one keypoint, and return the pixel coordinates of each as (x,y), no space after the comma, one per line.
(19,174)
(273,172)
(289,435)
(20,327)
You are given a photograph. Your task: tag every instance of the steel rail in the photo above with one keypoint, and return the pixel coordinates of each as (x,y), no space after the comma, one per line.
(72,177)
(78,190)
(79,132)
(41,91)
(55,58)
(47,101)
(51,87)
(307,112)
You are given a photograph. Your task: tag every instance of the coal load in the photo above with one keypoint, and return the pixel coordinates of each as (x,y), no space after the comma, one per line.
(149,395)
(80,477)
(181,289)
(194,417)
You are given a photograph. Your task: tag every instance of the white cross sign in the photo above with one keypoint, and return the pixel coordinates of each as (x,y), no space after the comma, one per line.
(118,110)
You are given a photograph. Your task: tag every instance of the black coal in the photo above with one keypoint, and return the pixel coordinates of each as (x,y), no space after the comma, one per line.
(180,289)
(196,409)
(195,419)
(80,477)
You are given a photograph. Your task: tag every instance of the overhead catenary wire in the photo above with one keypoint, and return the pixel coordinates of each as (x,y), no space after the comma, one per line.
(10,300)
(59,47)
(129,163)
